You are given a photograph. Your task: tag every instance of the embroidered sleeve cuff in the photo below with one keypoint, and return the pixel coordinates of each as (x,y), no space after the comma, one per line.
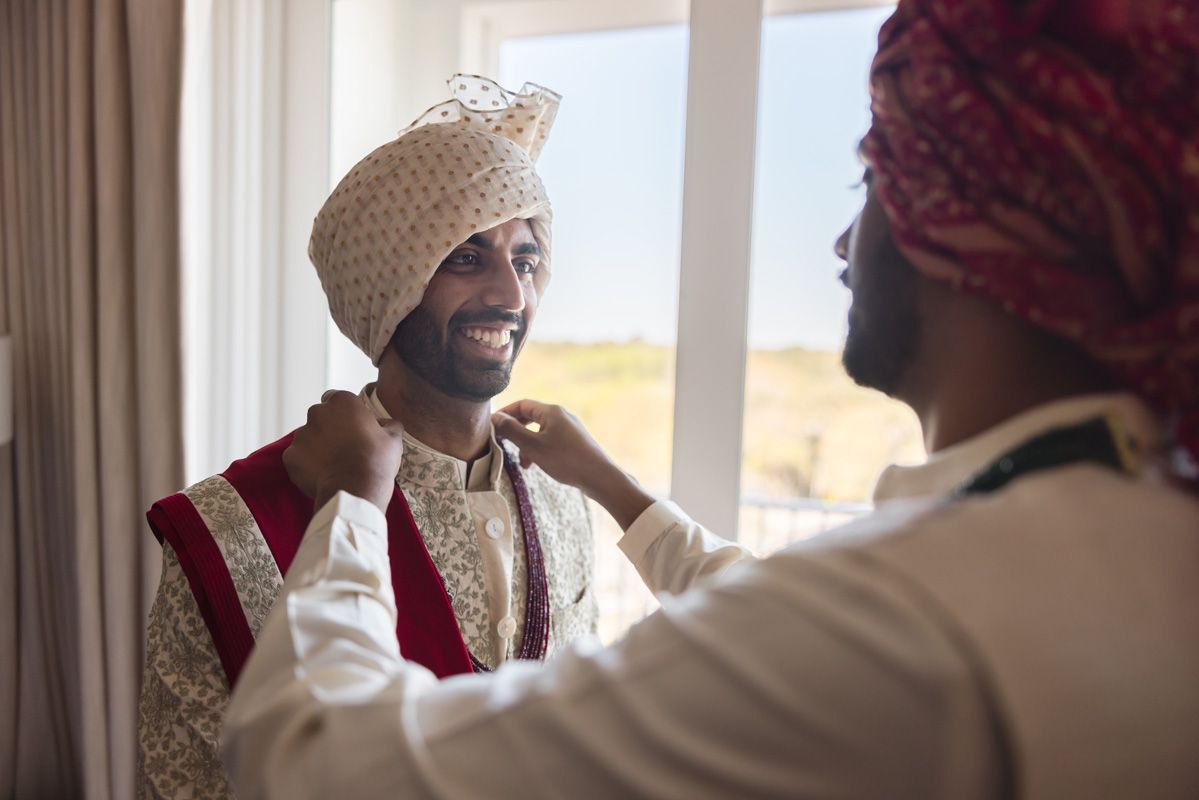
(645,530)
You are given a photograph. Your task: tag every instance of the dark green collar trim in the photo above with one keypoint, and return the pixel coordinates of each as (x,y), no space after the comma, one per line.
(1100,441)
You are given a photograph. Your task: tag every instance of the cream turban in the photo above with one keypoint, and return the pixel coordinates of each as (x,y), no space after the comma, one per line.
(464,167)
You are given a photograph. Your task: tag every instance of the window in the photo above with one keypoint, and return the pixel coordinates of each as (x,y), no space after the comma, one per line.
(812,443)
(653,305)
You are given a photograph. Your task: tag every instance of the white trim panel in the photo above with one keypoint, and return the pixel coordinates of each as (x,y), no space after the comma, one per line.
(718,179)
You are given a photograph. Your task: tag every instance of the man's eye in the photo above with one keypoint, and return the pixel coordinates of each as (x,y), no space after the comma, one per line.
(525,267)
(462,258)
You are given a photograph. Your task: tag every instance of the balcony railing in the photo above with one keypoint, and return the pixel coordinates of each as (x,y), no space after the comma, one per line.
(771,523)
(767,524)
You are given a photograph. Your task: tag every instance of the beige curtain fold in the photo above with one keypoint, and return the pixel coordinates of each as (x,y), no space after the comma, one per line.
(89,265)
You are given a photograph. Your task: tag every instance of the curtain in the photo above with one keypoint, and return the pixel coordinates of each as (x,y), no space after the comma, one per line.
(89,265)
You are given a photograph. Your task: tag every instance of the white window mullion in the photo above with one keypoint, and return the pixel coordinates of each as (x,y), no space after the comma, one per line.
(722,92)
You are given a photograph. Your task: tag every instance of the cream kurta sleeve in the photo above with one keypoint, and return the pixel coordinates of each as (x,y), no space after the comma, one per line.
(801,675)
(673,552)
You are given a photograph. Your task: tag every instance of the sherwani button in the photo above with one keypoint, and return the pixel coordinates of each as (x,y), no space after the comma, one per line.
(495,527)
(506,628)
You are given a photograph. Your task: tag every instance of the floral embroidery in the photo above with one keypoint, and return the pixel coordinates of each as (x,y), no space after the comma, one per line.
(183,696)
(251,565)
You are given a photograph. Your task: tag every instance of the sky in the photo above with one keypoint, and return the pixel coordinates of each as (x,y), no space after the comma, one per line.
(613,167)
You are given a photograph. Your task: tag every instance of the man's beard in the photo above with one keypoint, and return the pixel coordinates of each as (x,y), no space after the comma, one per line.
(420,345)
(884,329)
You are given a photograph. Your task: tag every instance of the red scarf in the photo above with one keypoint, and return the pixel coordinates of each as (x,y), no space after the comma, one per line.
(426,629)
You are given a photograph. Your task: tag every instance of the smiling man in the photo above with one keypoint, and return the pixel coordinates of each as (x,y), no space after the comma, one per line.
(434,253)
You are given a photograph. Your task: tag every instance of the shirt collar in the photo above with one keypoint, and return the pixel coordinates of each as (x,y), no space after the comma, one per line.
(484,471)
(946,469)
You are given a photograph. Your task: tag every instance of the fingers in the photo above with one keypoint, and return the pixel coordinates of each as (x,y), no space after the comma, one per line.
(526,411)
(511,428)
(344,447)
(330,398)
(502,421)
(339,409)
(393,427)
(333,397)
(337,396)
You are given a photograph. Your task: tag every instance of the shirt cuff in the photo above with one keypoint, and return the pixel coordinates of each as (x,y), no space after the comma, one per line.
(645,530)
(346,540)
(345,518)
(352,509)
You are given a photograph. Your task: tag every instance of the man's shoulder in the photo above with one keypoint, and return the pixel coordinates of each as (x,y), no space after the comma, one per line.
(1066,584)
(1061,539)
(234,534)
(1074,508)
(1067,507)
(258,476)
(249,511)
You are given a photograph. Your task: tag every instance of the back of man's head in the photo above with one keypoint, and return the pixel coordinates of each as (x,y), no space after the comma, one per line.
(1044,154)
(464,167)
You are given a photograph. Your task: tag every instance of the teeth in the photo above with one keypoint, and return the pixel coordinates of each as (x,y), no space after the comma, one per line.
(488,337)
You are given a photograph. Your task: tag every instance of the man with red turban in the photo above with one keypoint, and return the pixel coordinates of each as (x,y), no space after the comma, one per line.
(1019,617)
(1047,160)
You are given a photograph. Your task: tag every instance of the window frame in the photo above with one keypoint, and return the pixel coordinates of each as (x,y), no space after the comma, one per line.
(724,60)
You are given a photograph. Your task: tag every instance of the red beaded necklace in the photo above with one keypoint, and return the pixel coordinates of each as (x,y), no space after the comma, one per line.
(536,637)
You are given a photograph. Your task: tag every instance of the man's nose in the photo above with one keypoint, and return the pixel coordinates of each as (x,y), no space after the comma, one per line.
(841,246)
(504,289)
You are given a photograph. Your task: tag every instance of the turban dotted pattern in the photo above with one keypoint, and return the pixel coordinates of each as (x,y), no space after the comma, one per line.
(464,167)
(1044,154)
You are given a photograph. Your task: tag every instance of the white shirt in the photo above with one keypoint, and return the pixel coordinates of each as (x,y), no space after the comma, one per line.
(835,668)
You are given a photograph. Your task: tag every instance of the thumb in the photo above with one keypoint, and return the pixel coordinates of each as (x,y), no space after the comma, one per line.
(392,426)
(510,428)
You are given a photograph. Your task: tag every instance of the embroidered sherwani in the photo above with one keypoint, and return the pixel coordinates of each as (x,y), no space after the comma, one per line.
(468,520)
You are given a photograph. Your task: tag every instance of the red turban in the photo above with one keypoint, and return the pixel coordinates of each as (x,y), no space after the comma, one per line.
(1045,154)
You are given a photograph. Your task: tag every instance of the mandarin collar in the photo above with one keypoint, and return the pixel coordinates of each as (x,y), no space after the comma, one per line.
(946,469)
(484,471)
